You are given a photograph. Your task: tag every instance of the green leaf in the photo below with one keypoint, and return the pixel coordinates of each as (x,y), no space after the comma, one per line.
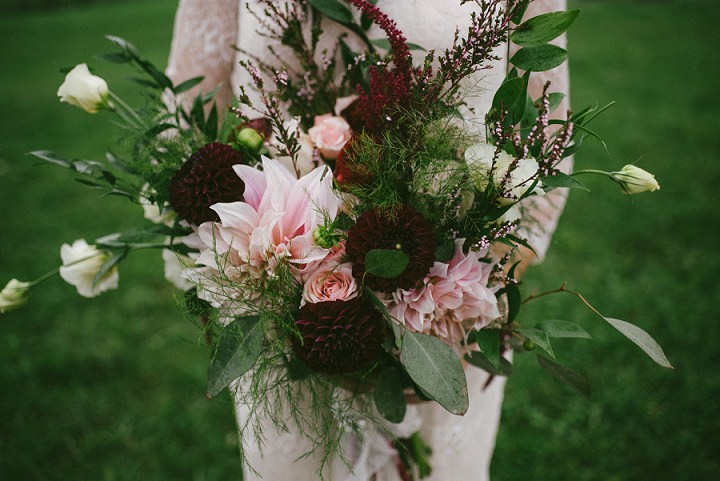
(642,339)
(488,341)
(540,338)
(514,299)
(522,5)
(563,329)
(437,370)
(52,157)
(125,45)
(389,395)
(554,100)
(478,359)
(187,85)
(562,180)
(384,44)
(511,96)
(543,28)
(333,9)
(211,125)
(565,375)
(239,347)
(397,329)
(540,58)
(386,263)
(117,256)
(116,57)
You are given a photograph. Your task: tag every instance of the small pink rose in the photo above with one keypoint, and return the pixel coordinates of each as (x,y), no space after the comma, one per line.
(330,282)
(330,134)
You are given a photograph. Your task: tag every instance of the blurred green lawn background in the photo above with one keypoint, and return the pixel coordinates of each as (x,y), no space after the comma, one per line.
(112,388)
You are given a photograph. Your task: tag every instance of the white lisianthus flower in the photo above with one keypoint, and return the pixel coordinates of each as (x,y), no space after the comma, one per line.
(635,180)
(175,265)
(152,212)
(85,90)
(479,158)
(81,264)
(14,295)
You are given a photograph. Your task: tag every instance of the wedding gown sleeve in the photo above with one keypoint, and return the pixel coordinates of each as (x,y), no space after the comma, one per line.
(204,34)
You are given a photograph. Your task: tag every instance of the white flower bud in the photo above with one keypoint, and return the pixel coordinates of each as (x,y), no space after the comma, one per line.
(635,180)
(14,295)
(81,264)
(85,90)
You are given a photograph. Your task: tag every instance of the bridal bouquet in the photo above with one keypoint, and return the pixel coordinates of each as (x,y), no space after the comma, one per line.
(349,241)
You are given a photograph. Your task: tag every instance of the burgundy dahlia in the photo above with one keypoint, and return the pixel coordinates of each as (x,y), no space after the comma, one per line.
(206,179)
(406,230)
(339,337)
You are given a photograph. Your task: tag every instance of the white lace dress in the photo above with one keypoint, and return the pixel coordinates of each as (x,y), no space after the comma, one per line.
(205,31)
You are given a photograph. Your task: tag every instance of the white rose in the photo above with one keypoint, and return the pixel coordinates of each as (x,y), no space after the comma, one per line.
(175,265)
(85,90)
(635,180)
(330,134)
(479,158)
(14,295)
(81,263)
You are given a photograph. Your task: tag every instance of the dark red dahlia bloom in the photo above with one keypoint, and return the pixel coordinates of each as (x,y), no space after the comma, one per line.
(406,230)
(339,337)
(206,179)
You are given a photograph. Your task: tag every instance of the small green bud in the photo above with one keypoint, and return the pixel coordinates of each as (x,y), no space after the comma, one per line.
(250,139)
(529,345)
(324,237)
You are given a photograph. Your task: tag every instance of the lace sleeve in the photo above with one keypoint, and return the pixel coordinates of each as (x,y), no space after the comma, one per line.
(544,212)
(203,36)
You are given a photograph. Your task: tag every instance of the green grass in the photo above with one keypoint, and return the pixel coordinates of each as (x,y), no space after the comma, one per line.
(112,388)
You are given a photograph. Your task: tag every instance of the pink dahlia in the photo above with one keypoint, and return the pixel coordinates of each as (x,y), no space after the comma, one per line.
(453,298)
(274,223)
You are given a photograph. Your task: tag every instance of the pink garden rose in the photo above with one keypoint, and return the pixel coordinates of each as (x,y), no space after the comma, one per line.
(330,282)
(330,134)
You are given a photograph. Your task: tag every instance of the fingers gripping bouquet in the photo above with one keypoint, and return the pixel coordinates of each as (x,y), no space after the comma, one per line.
(350,243)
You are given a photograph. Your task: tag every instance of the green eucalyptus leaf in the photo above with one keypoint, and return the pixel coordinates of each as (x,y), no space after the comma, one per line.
(239,347)
(389,395)
(543,28)
(565,375)
(642,339)
(334,10)
(478,359)
(386,263)
(488,341)
(562,329)
(437,370)
(562,180)
(540,338)
(539,58)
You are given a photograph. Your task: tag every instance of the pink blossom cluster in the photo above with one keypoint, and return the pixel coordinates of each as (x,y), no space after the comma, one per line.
(453,298)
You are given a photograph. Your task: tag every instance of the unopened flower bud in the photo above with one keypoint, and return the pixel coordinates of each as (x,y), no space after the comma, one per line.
(250,139)
(14,295)
(85,90)
(635,180)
